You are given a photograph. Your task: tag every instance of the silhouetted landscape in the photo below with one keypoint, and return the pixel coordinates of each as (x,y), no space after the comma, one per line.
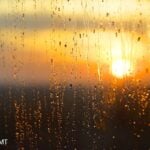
(75,117)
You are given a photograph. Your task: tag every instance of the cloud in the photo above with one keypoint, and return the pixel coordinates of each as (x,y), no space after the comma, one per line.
(40,22)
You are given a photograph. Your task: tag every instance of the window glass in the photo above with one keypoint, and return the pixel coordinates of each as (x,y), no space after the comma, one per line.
(74,74)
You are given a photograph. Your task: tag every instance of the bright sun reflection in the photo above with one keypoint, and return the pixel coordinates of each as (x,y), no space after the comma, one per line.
(121,68)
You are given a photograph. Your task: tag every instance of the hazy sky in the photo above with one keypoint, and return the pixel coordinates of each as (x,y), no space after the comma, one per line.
(42,39)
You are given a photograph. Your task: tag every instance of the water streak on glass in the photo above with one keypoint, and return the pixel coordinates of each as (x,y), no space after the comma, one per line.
(74,75)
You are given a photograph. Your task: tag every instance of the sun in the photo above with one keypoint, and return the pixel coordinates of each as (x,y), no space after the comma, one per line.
(121,68)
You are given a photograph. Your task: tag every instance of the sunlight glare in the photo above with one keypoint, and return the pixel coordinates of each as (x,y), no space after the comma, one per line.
(121,68)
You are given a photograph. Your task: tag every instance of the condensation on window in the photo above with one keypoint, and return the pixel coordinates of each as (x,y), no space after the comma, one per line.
(75,75)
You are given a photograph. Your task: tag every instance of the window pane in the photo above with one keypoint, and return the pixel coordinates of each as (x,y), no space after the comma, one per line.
(75,74)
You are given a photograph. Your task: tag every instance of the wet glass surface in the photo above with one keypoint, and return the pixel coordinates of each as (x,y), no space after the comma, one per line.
(74,75)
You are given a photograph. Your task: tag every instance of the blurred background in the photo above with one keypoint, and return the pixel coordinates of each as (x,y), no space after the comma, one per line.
(75,72)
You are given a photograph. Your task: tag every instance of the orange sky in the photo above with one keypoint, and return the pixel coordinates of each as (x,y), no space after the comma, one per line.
(74,41)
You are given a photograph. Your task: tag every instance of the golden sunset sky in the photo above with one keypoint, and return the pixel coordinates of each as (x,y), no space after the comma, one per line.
(72,41)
